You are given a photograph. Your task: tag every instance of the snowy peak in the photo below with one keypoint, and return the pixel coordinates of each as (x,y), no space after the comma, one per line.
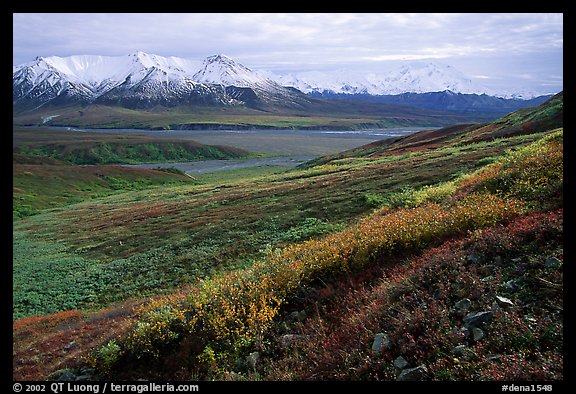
(433,77)
(221,70)
(142,79)
(415,77)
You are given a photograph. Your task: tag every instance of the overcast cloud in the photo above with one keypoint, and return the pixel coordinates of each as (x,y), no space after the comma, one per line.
(500,50)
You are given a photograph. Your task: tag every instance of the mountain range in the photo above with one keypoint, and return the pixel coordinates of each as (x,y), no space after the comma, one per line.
(141,80)
(412,77)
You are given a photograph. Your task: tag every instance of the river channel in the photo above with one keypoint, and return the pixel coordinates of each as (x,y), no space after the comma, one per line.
(282,147)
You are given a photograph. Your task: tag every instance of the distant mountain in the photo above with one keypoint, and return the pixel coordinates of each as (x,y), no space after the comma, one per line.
(444,101)
(141,80)
(413,77)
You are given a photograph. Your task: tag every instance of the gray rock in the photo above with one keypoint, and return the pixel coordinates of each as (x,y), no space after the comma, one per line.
(462,306)
(70,346)
(553,263)
(513,284)
(487,279)
(66,376)
(460,350)
(477,334)
(476,319)
(400,362)
(87,371)
(473,259)
(381,343)
(413,374)
(504,302)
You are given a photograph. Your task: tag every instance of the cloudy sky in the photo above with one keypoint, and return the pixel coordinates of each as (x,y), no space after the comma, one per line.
(499,50)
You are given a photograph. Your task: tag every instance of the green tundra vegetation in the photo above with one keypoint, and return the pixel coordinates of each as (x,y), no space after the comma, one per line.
(291,274)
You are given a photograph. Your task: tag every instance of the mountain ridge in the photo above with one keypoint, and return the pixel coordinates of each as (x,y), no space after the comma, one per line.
(142,80)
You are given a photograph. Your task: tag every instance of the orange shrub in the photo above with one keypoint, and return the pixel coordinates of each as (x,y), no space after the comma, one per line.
(241,305)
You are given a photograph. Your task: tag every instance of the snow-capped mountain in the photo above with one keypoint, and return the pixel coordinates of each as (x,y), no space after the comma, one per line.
(143,80)
(414,77)
(245,84)
(222,70)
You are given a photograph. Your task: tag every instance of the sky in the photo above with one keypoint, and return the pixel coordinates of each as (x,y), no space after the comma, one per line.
(521,51)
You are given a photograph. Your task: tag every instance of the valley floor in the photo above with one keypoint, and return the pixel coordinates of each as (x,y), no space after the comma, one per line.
(436,256)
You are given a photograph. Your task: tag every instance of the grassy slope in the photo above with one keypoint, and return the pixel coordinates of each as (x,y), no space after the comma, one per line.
(148,240)
(40,183)
(108,148)
(547,116)
(158,239)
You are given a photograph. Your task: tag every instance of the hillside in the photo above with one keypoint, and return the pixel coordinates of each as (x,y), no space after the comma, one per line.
(109,148)
(40,182)
(444,247)
(549,115)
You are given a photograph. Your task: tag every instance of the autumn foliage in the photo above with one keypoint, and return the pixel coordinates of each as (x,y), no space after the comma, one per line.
(233,312)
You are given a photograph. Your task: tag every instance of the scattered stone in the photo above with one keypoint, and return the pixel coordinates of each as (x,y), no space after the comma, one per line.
(71,375)
(413,374)
(472,319)
(494,357)
(473,259)
(513,284)
(530,319)
(487,279)
(400,362)
(459,350)
(504,302)
(463,351)
(70,345)
(381,343)
(252,359)
(462,306)
(66,376)
(477,334)
(553,263)
(302,315)
(87,371)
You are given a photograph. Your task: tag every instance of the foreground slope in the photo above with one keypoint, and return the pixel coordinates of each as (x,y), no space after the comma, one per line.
(255,275)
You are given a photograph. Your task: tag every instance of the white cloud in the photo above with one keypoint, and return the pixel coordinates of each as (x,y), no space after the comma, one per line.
(485,43)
